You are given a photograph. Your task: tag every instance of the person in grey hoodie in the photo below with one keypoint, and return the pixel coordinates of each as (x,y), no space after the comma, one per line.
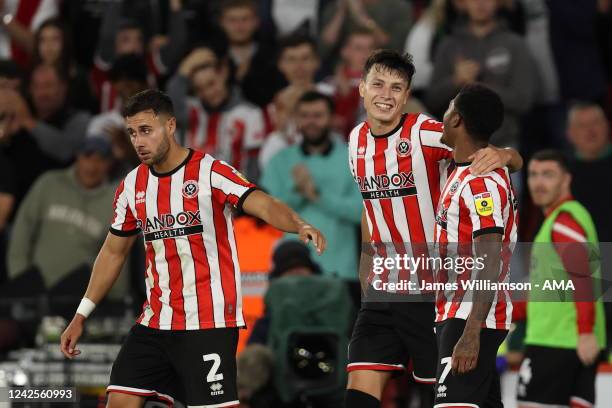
(483,50)
(61,223)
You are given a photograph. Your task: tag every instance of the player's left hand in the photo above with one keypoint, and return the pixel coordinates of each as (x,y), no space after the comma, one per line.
(465,353)
(488,159)
(310,233)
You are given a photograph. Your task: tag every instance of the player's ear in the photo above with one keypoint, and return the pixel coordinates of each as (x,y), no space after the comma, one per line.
(171,125)
(361,87)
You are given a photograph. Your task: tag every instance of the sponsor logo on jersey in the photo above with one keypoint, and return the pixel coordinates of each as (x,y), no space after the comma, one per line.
(361,152)
(172,226)
(484,204)
(387,186)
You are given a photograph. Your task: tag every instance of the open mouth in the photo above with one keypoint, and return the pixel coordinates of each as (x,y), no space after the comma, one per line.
(383,106)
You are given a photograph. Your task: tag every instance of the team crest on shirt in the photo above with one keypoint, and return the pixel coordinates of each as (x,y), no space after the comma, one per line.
(403,147)
(484,204)
(190,189)
(454,187)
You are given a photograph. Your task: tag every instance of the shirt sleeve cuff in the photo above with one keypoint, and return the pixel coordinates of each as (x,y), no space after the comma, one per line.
(244,197)
(122,233)
(489,230)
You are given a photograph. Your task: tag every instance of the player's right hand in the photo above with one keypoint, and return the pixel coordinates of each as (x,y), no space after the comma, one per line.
(310,233)
(71,336)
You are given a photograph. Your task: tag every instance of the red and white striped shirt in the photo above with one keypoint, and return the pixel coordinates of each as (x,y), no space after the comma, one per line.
(471,206)
(400,175)
(230,134)
(192,273)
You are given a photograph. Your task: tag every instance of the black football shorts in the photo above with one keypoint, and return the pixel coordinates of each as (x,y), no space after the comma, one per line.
(196,367)
(555,377)
(388,335)
(478,388)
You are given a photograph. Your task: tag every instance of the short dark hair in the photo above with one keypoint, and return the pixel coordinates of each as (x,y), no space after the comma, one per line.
(552,155)
(314,96)
(481,109)
(130,67)
(149,99)
(231,4)
(391,60)
(295,40)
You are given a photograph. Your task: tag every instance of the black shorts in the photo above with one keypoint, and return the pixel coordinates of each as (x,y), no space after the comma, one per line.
(387,336)
(477,388)
(573,381)
(196,367)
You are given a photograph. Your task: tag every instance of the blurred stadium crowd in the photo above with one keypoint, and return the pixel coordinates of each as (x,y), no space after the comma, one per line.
(271,87)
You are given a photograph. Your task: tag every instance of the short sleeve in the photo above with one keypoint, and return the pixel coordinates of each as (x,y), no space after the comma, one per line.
(431,141)
(234,187)
(124,223)
(485,201)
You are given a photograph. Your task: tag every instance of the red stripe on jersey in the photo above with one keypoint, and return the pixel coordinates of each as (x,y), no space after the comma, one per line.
(432,125)
(226,263)
(210,146)
(117,195)
(175,272)
(198,250)
(194,125)
(412,209)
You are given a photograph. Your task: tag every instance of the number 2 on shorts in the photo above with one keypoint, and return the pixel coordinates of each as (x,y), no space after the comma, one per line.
(212,374)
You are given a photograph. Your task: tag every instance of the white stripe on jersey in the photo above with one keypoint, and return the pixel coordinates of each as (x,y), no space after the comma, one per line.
(183,249)
(210,243)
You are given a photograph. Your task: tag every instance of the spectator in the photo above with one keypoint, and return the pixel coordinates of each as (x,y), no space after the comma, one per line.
(254,60)
(61,223)
(565,329)
(298,62)
(545,124)
(10,75)
(345,83)
(389,21)
(120,36)
(53,46)
(576,50)
(422,41)
(20,19)
(486,52)
(57,127)
(589,132)
(128,76)
(319,186)
(255,369)
(218,120)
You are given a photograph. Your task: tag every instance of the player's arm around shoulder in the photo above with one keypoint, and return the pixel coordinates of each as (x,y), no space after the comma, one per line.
(279,215)
(105,272)
(491,158)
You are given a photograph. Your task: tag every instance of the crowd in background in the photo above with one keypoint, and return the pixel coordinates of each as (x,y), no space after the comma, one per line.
(271,87)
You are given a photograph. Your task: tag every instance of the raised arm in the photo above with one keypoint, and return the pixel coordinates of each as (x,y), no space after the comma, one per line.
(105,272)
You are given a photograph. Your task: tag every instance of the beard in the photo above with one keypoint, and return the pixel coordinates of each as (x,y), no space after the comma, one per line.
(317,140)
(161,154)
